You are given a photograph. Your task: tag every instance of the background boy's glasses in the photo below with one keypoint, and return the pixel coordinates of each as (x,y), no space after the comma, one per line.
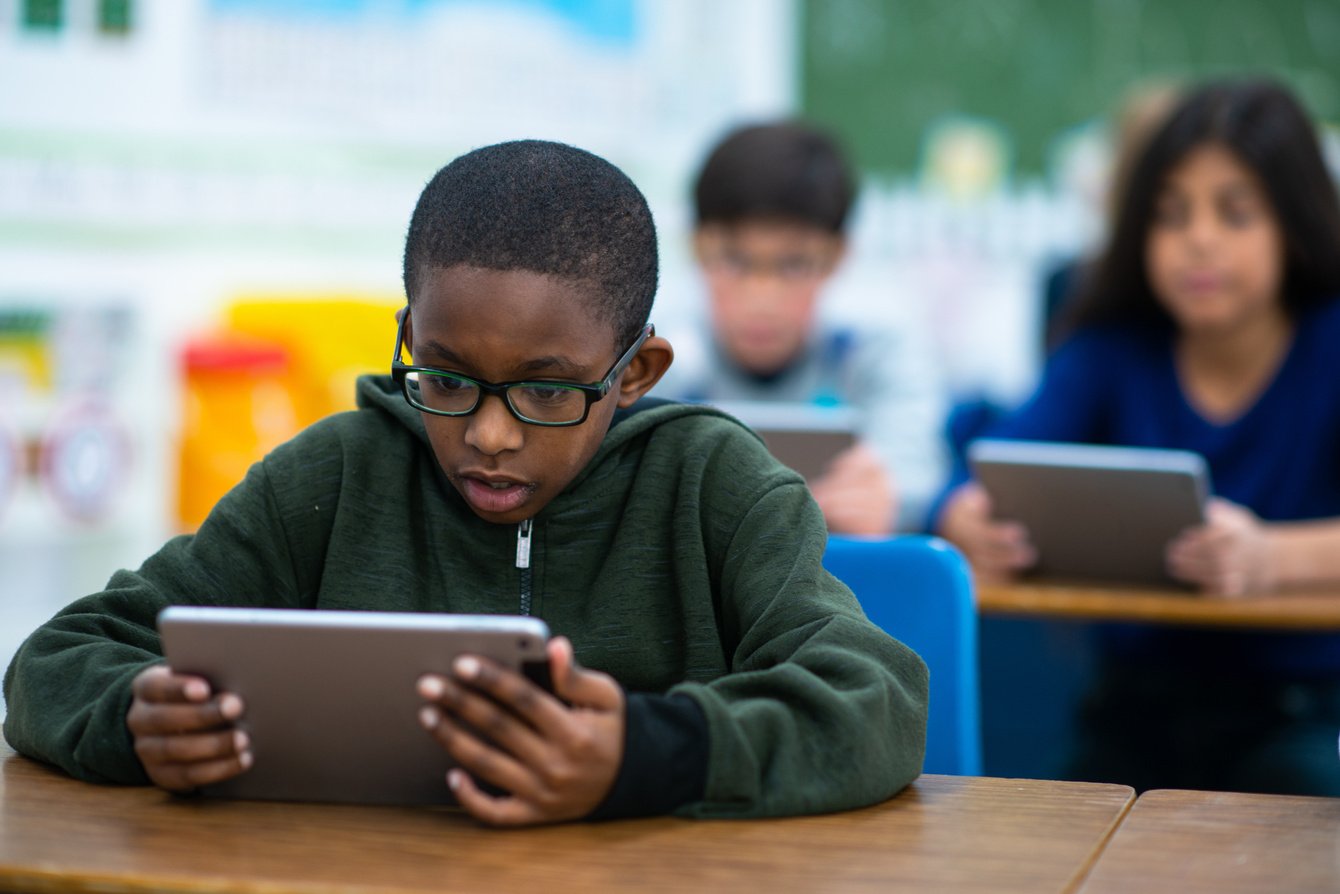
(535,402)
(788,268)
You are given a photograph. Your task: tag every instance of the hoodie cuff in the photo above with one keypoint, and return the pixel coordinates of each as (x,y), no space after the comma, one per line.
(665,753)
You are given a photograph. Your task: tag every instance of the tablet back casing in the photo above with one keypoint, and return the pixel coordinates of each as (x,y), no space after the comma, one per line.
(805,437)
(1106,513)
(331,706)
(807,452)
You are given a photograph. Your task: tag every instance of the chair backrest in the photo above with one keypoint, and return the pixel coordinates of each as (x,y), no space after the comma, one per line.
(919,590)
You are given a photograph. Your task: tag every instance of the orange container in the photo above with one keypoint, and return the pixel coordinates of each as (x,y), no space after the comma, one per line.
(238,405)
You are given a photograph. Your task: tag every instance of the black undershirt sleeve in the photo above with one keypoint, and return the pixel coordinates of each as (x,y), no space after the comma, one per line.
(664,758)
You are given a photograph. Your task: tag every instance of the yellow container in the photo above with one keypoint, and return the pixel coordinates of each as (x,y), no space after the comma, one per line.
(238,406)
(331,340)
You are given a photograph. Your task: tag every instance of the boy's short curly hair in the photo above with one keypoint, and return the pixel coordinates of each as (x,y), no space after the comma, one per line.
(786,169)
(546,208)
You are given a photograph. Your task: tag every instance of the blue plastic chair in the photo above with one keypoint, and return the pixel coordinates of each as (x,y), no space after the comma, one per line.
(919,590)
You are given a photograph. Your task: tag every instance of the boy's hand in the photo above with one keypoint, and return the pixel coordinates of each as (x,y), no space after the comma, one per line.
(1229,555)
(184,735)
(857,493)
(995,549)
(554,761)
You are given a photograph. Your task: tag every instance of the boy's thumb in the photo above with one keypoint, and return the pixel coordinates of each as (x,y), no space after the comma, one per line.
(576,685)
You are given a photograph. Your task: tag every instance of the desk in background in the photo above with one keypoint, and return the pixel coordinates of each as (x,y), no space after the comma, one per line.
(943,832)
(1220,843)
(1036,653)
(1293,610)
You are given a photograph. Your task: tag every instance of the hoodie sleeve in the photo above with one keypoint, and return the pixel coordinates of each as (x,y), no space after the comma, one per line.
(68,687)
(821,710)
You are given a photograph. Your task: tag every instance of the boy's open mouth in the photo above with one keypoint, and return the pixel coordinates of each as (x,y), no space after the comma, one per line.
(494,494)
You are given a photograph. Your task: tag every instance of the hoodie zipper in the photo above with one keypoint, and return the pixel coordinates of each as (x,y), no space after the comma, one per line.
(523,532)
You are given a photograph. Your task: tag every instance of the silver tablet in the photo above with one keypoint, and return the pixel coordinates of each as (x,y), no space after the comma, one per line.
(1097,512)
(806,437)
(331,706)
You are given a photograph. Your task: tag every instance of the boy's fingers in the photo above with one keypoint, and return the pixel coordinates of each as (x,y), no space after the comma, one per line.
(562,665)
(504,811)
(511,690)
(853,469)
(146,716)
(973,498)
(186,777)
(1007,533)
(579,686)
(987,575)
(1004,558)
(160,684)
(1006,544)
(499,724)
(591,689)
(191,748)
(1011,560)
(476,757)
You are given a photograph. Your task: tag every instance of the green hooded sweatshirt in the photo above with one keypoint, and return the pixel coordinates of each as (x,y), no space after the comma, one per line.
(683,560)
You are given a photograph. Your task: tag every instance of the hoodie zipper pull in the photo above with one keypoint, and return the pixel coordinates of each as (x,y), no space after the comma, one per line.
(523,562)
(523,544)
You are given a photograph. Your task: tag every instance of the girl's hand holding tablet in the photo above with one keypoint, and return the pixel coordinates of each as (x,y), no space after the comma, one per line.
(996,549)
(1230,555)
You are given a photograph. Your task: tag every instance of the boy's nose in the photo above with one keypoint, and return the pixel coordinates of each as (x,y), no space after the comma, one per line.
(762,291)
(492,429)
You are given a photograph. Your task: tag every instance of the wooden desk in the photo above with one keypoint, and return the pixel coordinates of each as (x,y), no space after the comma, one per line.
(944,832)
(1299,610)
(1220,842)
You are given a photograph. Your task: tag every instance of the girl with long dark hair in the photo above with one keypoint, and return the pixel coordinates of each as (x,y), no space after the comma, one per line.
(1211,323)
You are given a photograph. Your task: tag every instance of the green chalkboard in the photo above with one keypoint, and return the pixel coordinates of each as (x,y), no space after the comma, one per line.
(880,72)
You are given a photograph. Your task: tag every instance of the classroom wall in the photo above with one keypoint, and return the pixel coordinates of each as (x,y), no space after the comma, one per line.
(984,133)
(886,72)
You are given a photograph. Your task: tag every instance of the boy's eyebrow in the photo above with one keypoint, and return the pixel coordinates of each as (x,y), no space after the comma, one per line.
(549,365)
(553,365)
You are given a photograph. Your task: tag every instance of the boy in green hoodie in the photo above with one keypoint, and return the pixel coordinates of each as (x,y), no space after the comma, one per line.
(512,467)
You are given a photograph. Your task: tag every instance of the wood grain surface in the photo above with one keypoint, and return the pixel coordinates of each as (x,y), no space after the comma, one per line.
(1291,610)
(943,833)
(1222,842)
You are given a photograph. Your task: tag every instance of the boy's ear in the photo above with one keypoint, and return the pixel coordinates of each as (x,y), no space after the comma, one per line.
(645,369)
(700,242)
(839,253)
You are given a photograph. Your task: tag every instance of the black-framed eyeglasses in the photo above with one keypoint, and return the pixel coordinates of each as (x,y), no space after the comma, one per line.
(789,268)
(537,402)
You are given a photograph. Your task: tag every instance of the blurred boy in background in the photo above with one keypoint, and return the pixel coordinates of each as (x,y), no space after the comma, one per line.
(772,203)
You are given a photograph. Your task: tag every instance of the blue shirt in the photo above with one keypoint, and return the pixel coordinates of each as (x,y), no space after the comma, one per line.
(1280,457)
